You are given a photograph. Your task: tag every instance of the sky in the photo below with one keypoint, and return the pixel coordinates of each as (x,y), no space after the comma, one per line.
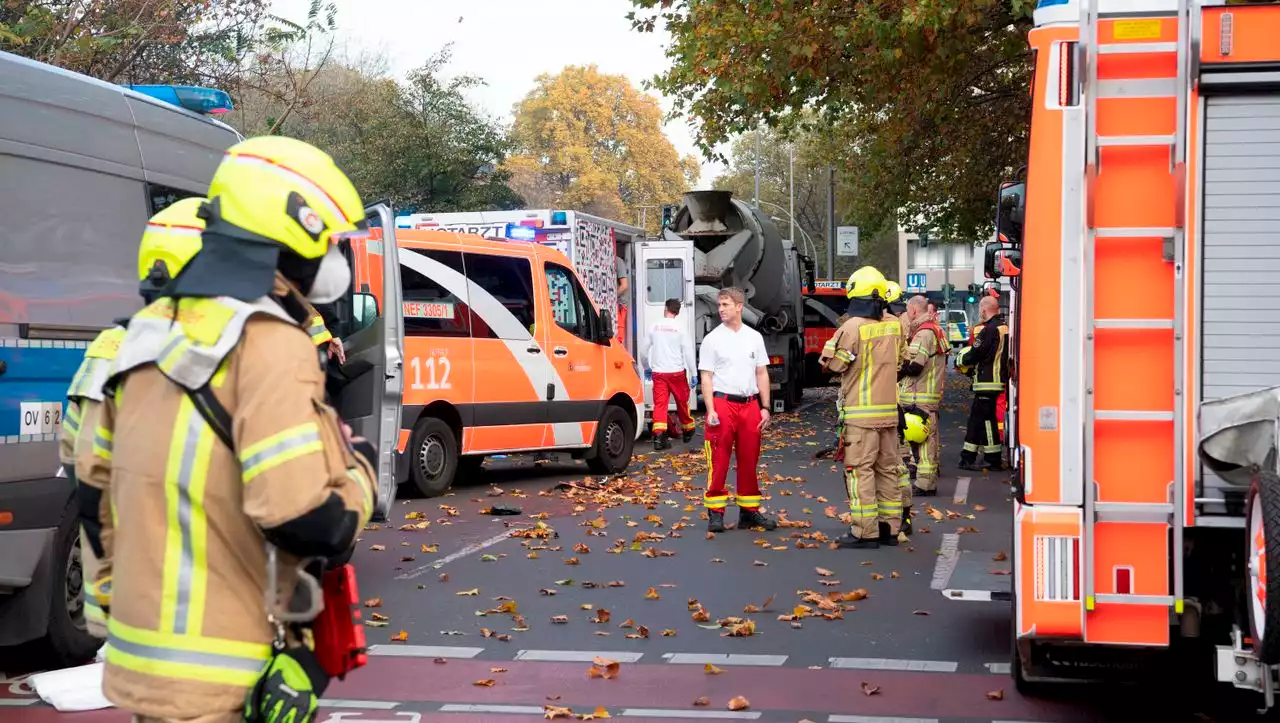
(507,43)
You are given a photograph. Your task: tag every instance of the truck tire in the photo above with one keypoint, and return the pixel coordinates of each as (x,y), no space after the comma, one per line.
(434,459)
(615,440)
(1262,544)
(67,639)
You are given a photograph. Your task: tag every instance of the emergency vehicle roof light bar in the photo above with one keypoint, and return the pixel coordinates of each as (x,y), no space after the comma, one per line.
(205,101)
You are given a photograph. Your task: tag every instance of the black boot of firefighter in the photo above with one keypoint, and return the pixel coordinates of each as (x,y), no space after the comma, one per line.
(848,541)
(661,442)
(749,518)
(715,520)
(887,537)
(906,521)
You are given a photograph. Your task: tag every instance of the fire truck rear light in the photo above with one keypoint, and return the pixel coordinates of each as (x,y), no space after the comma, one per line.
(1057,568)
(1124,580)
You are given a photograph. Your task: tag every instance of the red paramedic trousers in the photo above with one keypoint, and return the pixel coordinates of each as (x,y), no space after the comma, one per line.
(739,427)
(666,385)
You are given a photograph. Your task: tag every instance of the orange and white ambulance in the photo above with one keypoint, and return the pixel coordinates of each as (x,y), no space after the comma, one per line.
(824,303)
(1143,249)
(504,351)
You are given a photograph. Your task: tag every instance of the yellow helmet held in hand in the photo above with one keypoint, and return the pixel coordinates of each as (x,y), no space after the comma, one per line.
(866,282)
(917,430)
(172,237)
(961,359)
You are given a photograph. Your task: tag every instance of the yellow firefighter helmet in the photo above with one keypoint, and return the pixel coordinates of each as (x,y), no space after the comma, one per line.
(864,283)
(287,191)
(917,430)
(172,237)
(892,292)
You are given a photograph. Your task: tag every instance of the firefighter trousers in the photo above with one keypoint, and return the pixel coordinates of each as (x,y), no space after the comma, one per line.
(982,436)
(739,429)
(665,386)
(920,462)
(871,480)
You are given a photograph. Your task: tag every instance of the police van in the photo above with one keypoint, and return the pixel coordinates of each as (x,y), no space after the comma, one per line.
(83,165)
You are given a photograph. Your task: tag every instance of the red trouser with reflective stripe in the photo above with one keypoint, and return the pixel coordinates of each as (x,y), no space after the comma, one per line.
(665,385)
(739,427)
(1002,408)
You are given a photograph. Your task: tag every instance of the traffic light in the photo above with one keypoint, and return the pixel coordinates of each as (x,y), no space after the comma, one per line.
(974,291)
(924,239)
(668,214)
(947,291)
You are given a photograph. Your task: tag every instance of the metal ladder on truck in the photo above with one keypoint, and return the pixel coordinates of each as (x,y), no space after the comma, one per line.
(1136,86)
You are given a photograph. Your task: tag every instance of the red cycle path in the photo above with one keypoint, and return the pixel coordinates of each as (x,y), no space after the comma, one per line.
(414,681)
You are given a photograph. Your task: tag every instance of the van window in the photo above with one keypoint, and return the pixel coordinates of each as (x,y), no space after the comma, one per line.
(665,278)
(429,308)
(509,279)
(161,197)
(569,304)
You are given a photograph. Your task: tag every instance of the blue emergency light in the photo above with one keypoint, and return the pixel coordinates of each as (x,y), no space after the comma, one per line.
(516,232)
(559,218)
(200,100)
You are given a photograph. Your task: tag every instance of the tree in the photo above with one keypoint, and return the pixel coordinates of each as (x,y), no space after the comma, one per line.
(592,142)
(927,104)
(419,144)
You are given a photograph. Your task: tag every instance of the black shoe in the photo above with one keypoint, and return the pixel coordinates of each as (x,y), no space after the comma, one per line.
(715,520)
(688,436)
(661,443)
(753,518)
(886,537)
(906,528)
(848,542)
(917,492)
(970,465)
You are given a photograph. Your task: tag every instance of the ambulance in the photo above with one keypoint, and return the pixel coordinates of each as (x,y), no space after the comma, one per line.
(824,303)
(505,351)
(601,250)
(1143,248)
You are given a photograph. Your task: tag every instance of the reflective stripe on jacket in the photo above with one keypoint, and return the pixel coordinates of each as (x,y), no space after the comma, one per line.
(188,632)
(865,353)
(990,357)
(929,350)
(318,332)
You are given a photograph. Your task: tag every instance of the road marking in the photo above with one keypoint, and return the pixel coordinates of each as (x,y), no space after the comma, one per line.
(578,656)
(688,714)
(458,555)
(423,651)
(366,704)
(477,708)
(723,659)
(877,719)
(962,491)
(917,666)
(998,668)
(945,563)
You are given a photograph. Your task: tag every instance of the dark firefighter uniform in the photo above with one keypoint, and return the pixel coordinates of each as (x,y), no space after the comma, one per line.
(989,360)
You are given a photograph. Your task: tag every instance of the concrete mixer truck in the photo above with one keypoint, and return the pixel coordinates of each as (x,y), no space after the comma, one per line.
(735,244)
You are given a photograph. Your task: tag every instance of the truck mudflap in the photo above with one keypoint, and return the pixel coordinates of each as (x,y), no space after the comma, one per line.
(971,575)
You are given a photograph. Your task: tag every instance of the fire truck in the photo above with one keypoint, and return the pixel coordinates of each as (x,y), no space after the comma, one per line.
(824,304)
(1143,246)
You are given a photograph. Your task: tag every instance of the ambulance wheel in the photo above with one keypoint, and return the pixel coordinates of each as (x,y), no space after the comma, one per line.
(1262,543)
(615,440)
(435,457)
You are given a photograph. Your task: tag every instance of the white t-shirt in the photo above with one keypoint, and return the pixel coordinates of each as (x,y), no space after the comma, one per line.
(733,357)
(668,348)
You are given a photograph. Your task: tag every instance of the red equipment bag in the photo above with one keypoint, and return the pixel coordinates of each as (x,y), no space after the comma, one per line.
(339,629)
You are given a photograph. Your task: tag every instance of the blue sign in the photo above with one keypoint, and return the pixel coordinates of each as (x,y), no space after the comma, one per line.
(917,282)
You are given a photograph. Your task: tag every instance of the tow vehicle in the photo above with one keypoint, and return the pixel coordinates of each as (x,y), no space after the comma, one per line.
(1142,247)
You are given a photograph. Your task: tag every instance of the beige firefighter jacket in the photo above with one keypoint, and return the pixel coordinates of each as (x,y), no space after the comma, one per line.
(865,353)
(84,400)
(188,630)
(925,389)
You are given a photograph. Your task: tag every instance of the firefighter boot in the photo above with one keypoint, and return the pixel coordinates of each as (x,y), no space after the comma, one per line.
(661,442)
(688,436)
(849,541)
(906,521)
(748,519)
(886,537)
(715,520)
(917,492)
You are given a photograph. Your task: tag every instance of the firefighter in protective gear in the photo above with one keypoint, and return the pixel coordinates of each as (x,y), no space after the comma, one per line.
(921,381)
(221,452)
(989,360)
(865,351)
(171,238)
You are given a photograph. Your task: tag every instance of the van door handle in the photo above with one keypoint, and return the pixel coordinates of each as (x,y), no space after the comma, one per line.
(561,351)
(535,349)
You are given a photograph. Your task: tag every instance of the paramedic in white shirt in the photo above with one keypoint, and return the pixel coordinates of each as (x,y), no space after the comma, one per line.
(735,385)
(668,354)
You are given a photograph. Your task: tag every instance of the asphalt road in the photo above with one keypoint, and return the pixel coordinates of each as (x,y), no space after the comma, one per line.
(476,624)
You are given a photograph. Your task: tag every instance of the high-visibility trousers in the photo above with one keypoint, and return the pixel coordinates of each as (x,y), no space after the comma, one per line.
(1002,408)
(871,480)
(739,429)
(981,436)
(665,386)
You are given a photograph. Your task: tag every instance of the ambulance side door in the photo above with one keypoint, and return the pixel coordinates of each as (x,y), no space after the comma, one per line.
(664,270)
(366,390)
(576,345)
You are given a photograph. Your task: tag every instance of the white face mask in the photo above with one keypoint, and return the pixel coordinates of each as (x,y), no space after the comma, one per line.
(332,280)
